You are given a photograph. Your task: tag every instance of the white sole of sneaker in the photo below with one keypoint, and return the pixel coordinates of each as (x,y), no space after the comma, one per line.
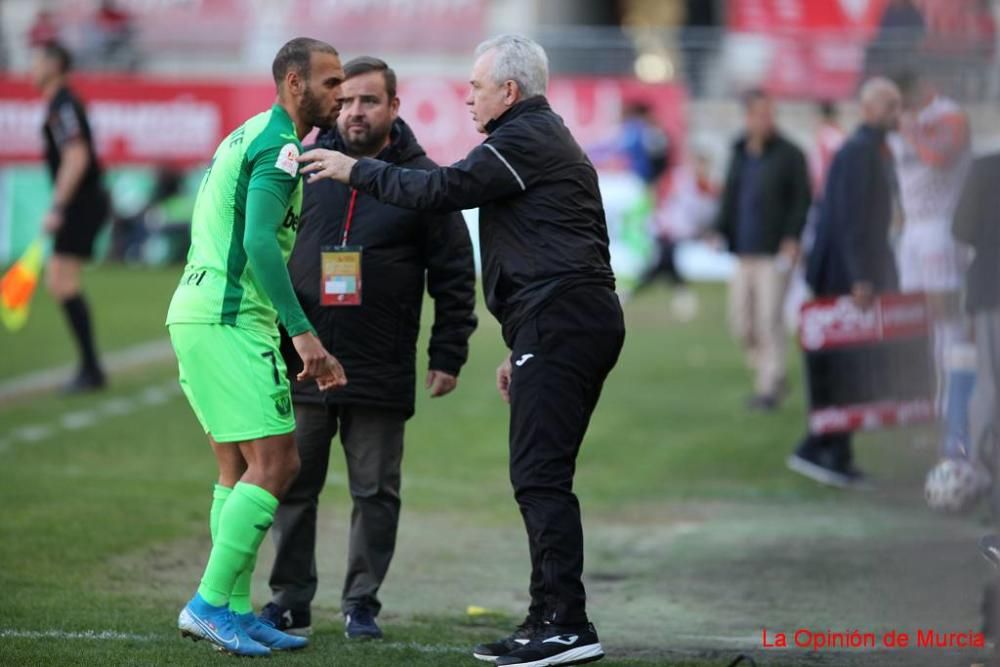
(484,658)
(574,656)
(816,473)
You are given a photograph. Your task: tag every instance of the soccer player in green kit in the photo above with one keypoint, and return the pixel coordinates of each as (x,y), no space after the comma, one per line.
(222,323)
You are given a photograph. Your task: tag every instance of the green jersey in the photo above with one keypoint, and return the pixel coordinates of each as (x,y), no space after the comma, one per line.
(242,232)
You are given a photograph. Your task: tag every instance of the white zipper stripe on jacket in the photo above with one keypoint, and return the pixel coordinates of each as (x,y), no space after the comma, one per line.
(504,160)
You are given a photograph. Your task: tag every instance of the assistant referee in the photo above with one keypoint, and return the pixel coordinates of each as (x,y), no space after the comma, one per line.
(548,280)
(79,207)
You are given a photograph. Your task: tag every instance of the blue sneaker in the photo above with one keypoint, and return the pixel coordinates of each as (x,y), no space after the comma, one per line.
(260,630)
(359,623)
(200,620)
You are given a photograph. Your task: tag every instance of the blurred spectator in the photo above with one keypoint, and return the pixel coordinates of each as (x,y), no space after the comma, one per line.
(851,254)
(901,34)
(829,137)
(764,206)
(44,30)
(110,38)
(688,212)
(641,143)
(932,152)
(161,231)
(645,149)
(976,224)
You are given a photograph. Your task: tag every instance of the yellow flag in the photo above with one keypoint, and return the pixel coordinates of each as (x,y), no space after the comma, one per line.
(17,286)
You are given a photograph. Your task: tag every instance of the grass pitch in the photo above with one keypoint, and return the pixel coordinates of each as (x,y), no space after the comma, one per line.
(697,536)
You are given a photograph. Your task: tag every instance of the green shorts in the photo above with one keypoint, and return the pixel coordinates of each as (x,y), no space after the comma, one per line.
(234,380)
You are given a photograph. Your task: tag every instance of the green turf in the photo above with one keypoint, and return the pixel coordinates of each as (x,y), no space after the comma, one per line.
(82,508)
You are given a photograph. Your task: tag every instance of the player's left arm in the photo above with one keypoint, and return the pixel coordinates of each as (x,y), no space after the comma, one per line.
(269,193)
(943,142)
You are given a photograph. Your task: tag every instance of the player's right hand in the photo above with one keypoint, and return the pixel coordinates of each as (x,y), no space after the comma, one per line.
(317,363)
(334,378)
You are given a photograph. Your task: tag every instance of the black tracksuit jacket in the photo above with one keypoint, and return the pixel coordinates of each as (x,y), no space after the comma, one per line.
(541,220)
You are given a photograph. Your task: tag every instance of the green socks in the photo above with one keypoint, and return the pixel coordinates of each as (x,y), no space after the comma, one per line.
(219,496)
(239,598)
(239,520)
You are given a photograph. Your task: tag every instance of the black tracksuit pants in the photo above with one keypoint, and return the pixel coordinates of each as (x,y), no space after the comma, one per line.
(560,359)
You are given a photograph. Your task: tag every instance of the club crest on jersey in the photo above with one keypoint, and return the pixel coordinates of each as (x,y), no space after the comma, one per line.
(283,404)
(287,159)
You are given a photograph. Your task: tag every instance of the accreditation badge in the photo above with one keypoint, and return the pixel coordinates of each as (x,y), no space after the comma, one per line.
(340,276)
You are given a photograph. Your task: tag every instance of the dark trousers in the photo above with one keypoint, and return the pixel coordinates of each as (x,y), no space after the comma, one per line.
(665,266)
(373,444)
(559,360)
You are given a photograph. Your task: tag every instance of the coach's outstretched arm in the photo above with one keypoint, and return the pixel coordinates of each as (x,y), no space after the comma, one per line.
(488,173)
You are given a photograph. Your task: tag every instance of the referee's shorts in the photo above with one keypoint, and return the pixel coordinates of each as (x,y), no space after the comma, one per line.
(82,220)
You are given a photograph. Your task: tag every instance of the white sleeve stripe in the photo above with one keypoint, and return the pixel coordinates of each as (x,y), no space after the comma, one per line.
(504,160)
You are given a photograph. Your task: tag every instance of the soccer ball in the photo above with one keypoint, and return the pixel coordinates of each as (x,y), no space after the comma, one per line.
(955,485)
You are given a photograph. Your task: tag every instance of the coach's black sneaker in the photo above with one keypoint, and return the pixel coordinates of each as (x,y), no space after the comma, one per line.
(293,621)
(557,645)
(522,635)
(359,623)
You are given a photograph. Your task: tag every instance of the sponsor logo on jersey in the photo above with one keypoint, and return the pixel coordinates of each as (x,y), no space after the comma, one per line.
(291,220)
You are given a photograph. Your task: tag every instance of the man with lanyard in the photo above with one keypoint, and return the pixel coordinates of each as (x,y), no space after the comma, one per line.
(369,309)
(222,327)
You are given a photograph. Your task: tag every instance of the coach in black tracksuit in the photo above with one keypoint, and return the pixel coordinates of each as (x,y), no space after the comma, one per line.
(548,280)
(376,341)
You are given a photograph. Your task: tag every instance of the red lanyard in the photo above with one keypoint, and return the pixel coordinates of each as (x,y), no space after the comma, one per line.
(350,217)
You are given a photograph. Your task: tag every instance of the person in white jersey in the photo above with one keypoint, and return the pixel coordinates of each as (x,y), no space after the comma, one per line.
(933,152)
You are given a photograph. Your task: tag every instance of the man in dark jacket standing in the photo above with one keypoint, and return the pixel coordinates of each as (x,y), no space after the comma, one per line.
(763,211)
(852,255)
(548,280)
(374,325)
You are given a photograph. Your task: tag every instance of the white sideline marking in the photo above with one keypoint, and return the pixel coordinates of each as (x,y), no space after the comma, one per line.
(103,635)
(111,635)
(83,419)
(137,356)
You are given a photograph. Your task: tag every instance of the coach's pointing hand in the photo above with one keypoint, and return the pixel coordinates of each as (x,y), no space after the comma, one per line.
(323,163)
(317,363)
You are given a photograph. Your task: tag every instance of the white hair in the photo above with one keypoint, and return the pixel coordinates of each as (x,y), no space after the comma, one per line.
(518,59)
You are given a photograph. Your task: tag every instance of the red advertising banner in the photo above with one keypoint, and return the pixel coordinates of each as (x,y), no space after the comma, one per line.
(871,416)
(867,369)
(353,26)
(836,322)
(147,120)
(816,48)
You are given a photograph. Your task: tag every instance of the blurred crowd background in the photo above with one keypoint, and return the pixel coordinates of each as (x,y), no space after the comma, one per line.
(164,80)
